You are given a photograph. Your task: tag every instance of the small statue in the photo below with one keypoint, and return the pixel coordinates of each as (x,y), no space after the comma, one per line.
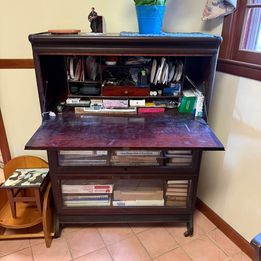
(92,17)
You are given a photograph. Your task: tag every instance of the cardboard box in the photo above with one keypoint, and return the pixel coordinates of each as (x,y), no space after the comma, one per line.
(188,102)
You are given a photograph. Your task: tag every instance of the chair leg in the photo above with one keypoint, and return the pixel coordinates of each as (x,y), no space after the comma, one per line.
(10,195)
(38,200)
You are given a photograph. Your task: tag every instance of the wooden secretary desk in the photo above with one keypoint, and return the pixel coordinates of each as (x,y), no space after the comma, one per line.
(117,124)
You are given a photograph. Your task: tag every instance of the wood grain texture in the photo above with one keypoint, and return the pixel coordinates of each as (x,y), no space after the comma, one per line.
(137,132)
(4,147)
(232,59)
(27,214)
(48,216)
(16,64)
(239,68)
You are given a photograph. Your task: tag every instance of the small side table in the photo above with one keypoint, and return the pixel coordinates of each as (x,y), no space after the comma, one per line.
(22,179)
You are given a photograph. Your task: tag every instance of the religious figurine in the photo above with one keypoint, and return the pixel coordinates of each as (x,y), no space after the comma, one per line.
(92,17)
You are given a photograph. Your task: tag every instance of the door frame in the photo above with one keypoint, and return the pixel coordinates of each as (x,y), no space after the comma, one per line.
(4,147)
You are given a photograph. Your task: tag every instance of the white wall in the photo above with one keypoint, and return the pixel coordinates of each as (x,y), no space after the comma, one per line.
(229,180)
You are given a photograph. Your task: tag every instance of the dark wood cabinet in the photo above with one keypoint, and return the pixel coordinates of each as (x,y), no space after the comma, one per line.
(117,148)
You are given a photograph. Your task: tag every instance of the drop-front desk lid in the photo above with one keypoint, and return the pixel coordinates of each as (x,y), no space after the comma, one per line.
(158,131)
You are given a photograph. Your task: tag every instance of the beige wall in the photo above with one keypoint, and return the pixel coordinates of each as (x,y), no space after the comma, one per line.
(229,181)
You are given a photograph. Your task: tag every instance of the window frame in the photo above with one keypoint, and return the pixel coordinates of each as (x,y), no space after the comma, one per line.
(232,60)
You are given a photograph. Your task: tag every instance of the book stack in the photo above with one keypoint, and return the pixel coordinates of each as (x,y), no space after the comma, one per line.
(82,193)
(179,158)
(135,157)
(138,193)
(82,157)
(177,193)
(93,111)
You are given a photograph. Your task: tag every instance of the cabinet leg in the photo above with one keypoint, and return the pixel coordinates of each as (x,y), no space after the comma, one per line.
(189,231)
(57,227)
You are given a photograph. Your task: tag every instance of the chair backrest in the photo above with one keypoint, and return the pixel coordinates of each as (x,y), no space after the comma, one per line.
(23,162)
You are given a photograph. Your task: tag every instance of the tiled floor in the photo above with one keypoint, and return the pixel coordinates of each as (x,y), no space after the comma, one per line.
(128,243)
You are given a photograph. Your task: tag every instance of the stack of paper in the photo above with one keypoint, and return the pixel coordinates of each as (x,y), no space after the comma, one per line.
(138,193)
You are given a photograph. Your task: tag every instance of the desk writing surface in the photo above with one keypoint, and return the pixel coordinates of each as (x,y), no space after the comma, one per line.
(157,131)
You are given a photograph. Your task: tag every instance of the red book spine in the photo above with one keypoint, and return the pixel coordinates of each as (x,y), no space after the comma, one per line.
(101,186)
(150,110)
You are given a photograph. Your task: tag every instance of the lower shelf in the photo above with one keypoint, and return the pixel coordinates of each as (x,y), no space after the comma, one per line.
(127,218)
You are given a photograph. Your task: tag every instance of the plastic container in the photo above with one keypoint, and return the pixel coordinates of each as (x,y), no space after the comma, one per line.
(150,18)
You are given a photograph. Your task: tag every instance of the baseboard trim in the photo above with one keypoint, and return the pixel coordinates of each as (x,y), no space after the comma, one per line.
(16,64)
(232,234)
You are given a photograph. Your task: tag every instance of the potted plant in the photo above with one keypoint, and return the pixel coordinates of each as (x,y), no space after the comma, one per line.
(150,15)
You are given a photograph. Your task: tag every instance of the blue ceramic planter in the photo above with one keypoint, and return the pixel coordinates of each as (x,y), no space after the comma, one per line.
(150,18)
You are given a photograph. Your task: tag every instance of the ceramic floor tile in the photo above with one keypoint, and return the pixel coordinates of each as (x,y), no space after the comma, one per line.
(201,227)
(157,241)
(36,229)
(240,257)
(203,222)
(57,252)
(177,254)
(69,229)
(203,249)
(137,228)
(129,249)
(114,233)
(99,255)
(22,255)
(177,231)
(37,241)
(84,241)
(11,246)
(224,242)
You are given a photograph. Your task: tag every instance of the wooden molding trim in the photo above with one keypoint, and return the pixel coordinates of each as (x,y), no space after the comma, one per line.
(232,234)
(3,142)
(239,68)
(16,64)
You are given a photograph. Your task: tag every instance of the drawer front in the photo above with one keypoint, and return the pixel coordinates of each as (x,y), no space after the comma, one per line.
(125,161)
(125,91)
(138,194)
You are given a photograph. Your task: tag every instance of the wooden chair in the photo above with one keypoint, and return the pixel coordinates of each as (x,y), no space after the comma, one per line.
(28,217)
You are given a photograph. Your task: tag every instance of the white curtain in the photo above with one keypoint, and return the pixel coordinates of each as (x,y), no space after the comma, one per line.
(217,8)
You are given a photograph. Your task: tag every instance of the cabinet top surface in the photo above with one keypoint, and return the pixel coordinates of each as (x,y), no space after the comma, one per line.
(115,132)
(128,36)
(45,42)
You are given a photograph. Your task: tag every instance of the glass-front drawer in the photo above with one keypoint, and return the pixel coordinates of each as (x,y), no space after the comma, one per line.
(177,193)
(84,193)
(169,158)
(82,157)
(178,158)
(136,158)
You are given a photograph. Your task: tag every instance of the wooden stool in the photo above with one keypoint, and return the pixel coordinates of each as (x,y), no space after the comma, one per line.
(27,215)
(22,179)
